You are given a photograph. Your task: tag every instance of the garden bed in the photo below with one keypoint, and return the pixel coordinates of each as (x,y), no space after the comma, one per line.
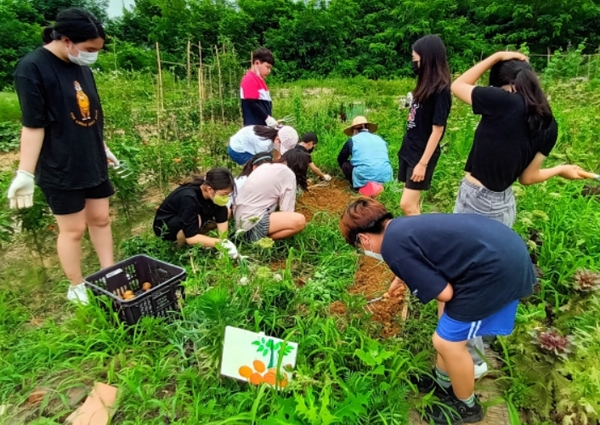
(372,278)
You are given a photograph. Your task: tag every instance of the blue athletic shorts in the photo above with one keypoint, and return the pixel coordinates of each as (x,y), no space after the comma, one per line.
(239,157)
(499,323)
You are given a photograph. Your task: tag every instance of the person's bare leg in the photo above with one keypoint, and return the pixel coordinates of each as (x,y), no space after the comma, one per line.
(454,359)
(71,228)
(97,216)
(285,224)
(409,203)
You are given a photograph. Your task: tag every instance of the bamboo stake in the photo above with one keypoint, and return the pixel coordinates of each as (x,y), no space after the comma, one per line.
(212,116)
(200,87)
(160,98)
(189,65)
(220,85)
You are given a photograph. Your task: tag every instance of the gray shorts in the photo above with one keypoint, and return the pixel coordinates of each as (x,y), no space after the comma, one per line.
(499,206)
(259,230)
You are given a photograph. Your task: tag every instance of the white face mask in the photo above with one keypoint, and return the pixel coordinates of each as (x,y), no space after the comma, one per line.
(84,58)
(372,254)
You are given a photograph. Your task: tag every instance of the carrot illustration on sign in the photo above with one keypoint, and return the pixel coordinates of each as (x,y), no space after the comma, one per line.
(257,358)
(267,346)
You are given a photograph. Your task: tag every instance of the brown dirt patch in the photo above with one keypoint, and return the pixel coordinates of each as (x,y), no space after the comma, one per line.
(332,197)
(372,280)
(9,161)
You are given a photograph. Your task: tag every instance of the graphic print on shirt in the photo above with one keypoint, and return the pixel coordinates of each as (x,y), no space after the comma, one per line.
(412,115)
(83,101)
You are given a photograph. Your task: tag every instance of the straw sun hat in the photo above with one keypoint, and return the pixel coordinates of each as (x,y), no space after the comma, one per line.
(360,120)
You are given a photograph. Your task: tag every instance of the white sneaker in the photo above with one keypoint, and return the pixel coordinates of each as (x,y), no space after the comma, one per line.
(481,370)
(78,294)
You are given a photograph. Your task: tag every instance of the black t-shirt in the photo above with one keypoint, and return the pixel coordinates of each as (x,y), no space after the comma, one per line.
(303,149)
(485,261)
(502,148)
(185,204)
(421,119)
(62,98)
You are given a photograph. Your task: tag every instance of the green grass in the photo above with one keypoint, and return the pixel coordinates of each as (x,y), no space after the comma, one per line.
(168,372)
(9,107)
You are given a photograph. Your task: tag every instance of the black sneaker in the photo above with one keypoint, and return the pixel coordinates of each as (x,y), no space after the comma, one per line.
(452,411)
(426,384)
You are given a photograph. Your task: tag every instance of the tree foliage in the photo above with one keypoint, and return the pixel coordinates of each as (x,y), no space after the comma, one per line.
(312,38)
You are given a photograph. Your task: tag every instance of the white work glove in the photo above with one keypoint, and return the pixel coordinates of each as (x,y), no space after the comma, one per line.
(327,177)
(20,192)
(231,249)
(112,159)
(272,122)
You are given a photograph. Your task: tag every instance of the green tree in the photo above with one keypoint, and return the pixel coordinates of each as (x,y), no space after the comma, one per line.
(48,9)
(20,33)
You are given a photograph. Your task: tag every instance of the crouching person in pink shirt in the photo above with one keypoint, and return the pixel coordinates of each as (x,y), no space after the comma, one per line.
(264,207)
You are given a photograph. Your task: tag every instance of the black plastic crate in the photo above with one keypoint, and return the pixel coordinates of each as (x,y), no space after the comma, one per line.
(129,275)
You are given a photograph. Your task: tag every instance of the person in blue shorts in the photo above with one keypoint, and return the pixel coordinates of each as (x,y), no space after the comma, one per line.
(475,267)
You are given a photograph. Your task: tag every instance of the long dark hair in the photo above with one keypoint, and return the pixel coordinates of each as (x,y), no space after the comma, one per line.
(266,132)
(434,73)
(76,24)
(218,178)
(297,161)
(525,81)
(258,159)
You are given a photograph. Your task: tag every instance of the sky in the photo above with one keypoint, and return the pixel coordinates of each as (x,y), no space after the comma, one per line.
(115,7)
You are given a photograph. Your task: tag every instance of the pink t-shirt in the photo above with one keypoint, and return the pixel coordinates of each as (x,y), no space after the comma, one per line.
(269,186)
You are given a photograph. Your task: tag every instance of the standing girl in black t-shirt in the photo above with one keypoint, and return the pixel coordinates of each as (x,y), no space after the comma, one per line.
(62,143)
(185,215)
(515,135)
(429,111)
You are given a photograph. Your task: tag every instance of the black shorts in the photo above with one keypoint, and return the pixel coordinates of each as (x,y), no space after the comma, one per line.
(405,172)
(64,202)
(167,230)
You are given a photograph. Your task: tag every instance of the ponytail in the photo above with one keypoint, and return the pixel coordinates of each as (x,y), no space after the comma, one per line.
(266,132)
(539,114)
(48,35)
(195,180)
(257,160)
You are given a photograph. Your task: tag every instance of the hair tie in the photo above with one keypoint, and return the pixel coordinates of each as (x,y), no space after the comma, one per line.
(261,158)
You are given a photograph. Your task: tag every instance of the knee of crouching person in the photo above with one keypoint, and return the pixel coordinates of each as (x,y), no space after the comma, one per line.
(300,222)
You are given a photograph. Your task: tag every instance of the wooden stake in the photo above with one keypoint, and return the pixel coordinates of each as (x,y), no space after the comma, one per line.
(201,87)
(220,85)
(189,65)
(212,116)
(160,98)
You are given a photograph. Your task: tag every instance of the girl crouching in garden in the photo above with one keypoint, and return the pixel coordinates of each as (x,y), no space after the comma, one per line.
(188,213)
(268,187)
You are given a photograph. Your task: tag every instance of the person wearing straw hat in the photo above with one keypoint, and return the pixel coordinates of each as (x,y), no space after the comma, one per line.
(364,157)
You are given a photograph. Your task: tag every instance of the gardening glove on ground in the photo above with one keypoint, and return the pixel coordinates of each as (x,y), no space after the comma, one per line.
(112,159)
(20,192)
(231,249)
(271,122)
(327,177)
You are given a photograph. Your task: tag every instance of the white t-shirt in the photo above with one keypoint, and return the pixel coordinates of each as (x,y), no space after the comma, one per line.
(246,140)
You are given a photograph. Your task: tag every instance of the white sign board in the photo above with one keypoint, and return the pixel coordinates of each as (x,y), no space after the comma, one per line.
(253,357)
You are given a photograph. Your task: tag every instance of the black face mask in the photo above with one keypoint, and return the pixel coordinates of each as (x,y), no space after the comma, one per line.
(311,150)
(415,67)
